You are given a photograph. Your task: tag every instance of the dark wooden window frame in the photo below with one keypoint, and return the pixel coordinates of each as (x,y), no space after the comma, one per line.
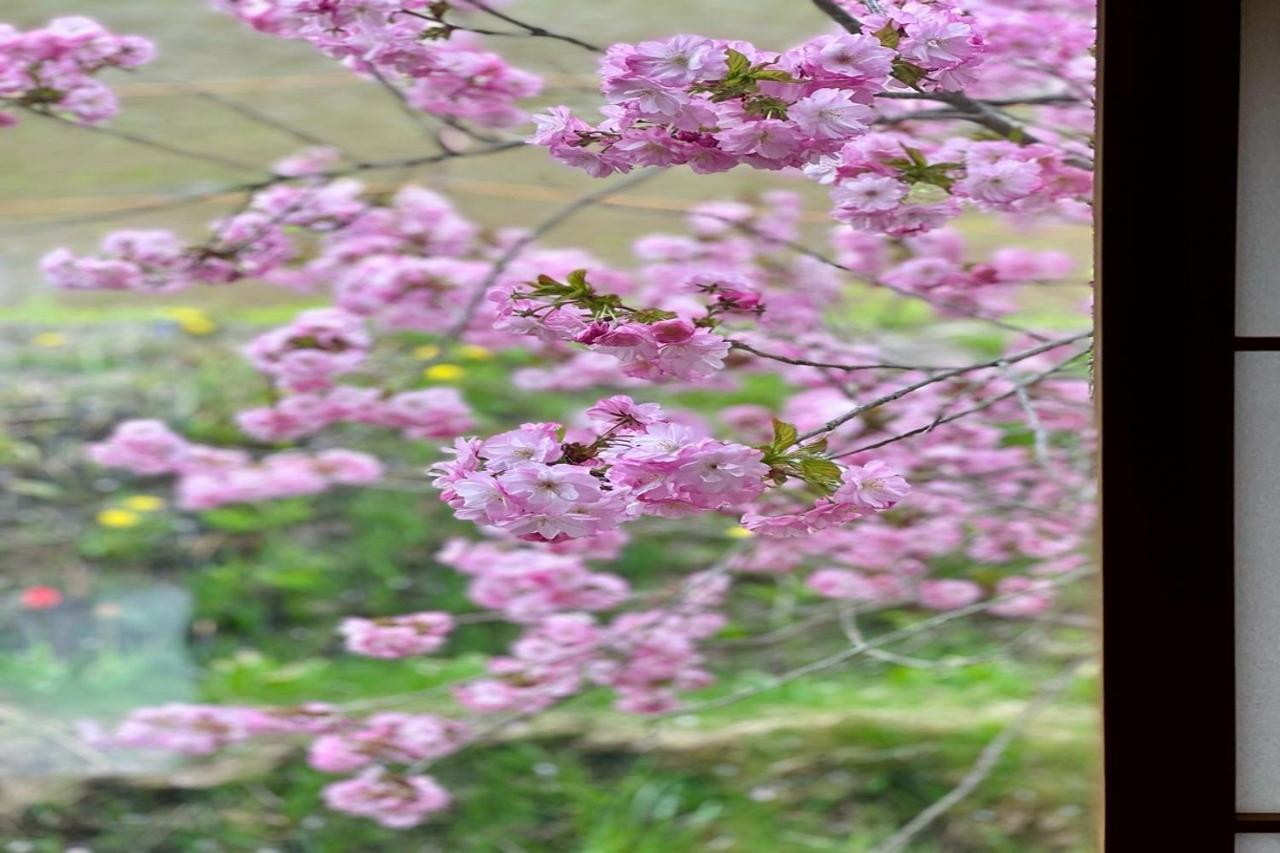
(1165,371)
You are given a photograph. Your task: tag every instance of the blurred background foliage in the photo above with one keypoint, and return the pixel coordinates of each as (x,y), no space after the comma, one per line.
(240,604)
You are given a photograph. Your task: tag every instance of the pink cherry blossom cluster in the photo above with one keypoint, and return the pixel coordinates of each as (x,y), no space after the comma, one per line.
(52,69)
(526,584)
(396,801)
(157,261)
(538,485)
(653,346)
(936,267)
(340,744)
(394,260)
(397,636)
(892,183)
(644,656)
(309,352)
(212,476)
(203,729)
(429,413)
(440,70)
(386,738)
(869,488)
(713,104)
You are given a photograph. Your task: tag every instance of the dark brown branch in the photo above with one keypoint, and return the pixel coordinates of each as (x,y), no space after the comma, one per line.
(533,29)
(833,10)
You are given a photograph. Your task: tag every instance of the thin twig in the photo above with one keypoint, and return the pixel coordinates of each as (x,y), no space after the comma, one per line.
(147,142)
(844,655)
(801,249)
(534,30)
(982,768)
(984,405)
(253,114)
(1040,437)
(516,248)
(941,377)
(803,362)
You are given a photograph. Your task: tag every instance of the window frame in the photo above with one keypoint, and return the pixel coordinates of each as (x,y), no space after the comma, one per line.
(1165,369)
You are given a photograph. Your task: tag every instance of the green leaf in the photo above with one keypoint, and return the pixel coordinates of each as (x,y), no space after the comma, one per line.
(908,73)
(652,315)
(739,64)
(776,75)
(784,435)
(888,35)
(764,106)
(917,156)
(822,474)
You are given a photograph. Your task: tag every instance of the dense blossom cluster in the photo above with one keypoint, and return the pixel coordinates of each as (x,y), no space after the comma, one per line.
(397,636)
(643,655)
(380,749)
(892,183)
(53,68)
(715,104)
(545,484)
(440,70)
(525,584)
(212,476)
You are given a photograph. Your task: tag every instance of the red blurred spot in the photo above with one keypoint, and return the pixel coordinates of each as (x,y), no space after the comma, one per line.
(40,598)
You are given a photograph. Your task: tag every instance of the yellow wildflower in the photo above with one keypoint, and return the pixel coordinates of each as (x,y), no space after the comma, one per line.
(444,372)
(119,518)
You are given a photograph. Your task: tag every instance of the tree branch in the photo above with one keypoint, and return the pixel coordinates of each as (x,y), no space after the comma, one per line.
(513,251)
(534,30)
(984,405)
(835,12)
(147,142)
(983,766)
(940,377)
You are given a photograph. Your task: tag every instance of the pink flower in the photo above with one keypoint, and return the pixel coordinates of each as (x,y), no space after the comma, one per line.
(860,56)
(1002,182)
(394,801)
(948,594)
(551,488)
(678,60)
(830,114)
(870,193)
(874,486)
(622,413)
(838,583)
(1037,598)
(397,636)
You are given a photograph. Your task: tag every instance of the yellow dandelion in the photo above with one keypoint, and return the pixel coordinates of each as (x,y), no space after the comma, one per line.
(426,352)
(193,321)
(143,503)
(444,372)
(738,533)
(119,518)
(50,339)
(475,353)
